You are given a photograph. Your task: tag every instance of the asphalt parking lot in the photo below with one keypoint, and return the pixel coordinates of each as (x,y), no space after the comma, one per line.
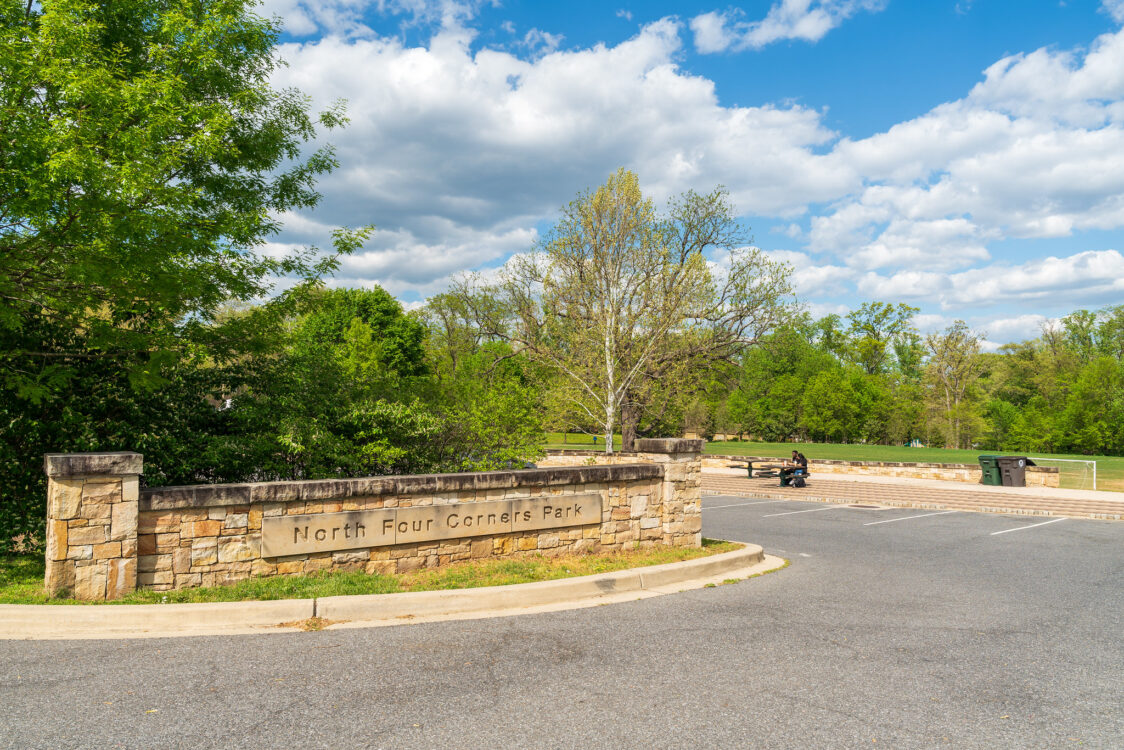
(897,628)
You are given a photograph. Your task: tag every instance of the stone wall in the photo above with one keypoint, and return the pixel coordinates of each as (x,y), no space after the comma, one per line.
(1036,476)
(176,537)
(92,523)
(587,458)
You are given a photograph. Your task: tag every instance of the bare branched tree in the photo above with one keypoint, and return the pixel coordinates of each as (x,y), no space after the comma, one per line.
(625,303)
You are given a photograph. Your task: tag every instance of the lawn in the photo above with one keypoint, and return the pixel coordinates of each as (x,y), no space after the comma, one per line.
(578,441)
(21,577)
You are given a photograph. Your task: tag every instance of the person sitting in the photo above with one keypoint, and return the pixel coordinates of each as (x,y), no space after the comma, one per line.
(797,467)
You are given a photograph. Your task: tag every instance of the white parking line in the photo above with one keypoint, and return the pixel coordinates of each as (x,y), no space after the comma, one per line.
(1020,528)
(740,505)
(789,513)
(923,515)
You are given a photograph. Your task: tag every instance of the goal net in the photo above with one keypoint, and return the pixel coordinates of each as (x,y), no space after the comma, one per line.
(1074,473)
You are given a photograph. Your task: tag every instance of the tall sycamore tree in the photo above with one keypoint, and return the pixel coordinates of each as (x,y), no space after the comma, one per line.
(954,367)
(627,305)
(144,160)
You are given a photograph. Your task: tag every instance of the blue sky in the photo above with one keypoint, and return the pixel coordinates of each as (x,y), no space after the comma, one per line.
(964,156)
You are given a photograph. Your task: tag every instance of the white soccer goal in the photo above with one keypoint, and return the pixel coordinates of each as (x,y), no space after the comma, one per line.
(1076,473)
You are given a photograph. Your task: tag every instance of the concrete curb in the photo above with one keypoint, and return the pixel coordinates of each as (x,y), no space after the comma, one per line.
(62,621)
(49,621)
(419,604)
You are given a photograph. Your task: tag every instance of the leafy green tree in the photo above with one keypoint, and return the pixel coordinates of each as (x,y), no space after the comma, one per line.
(492,399)
(492,412)
(177,427)
(1110,332)
(873,330)
(1080,332)
(828,334)
(145,161)
(954,366)
(831,408)
(909,356)
(1035,430)
(1000,417)
(770,395)
(1093,420)
(340,391)
(904,411)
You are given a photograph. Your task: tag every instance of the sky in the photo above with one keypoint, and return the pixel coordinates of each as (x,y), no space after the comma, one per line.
(965,157)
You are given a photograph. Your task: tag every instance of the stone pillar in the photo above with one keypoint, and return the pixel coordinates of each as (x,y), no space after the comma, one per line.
(92,505)
(681,514)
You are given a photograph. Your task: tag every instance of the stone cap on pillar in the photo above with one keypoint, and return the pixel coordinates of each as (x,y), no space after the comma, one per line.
(669,445)
(91,464)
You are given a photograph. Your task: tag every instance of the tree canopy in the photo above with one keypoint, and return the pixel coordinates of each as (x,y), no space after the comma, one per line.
(144,161)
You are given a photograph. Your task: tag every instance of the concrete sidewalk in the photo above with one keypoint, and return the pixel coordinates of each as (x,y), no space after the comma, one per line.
(926,493)
(73,621)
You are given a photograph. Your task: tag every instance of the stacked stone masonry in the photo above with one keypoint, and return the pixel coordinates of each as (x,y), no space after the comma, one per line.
(205,535)
(92,524)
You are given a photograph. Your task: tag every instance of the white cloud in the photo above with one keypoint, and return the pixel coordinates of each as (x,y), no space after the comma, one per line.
(806,20)
(1018,328)
(457,154)
(1036,150)
(822,309)
(540,42)
(1082,278)
(908,285)
(1115,8)
(399,255)
(1087,279)
(304,18)
(930,323)
(443,139)
(955,241)
(711,34)
(811,278)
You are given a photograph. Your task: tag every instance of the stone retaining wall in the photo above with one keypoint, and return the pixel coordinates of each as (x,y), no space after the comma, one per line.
(1036,476)
(586,458)
(106,537)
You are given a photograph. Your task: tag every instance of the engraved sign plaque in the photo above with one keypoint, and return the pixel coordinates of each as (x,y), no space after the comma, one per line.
(329,532)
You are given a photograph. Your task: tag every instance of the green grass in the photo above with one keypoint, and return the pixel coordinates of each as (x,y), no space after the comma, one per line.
(21,577)
(1110,469)
(578,441)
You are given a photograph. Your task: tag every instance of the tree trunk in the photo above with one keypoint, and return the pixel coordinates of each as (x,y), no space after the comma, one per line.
(630,420)
(608,427)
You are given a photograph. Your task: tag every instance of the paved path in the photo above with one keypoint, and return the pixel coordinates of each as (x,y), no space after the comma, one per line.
(921,493)
(960,630)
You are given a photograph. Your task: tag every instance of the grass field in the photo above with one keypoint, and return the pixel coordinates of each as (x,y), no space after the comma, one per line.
(21,577)
(1110,469)
(578,441)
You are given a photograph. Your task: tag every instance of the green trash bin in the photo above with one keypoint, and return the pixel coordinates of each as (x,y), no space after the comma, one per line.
(989,465)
